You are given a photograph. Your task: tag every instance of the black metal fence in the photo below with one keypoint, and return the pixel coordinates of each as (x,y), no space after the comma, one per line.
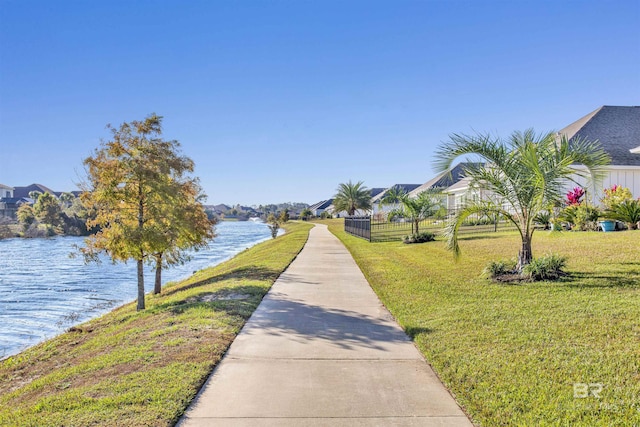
(358,226)
(386,231)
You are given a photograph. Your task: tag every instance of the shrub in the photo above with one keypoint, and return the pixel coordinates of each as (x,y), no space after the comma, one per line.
(543,218)
(425,236)
(615,195)
(627,211)
(586,218)
(581,217)
(549,267)
(574,197)
(499,268)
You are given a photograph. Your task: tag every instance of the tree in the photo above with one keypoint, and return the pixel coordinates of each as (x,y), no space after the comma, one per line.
(306,214)
(283,218)
(25,215)
(67,199)
(352,197)
(132,183)
(274,225)
(47,209)
(393,195)
(182,224)
(34,195)
(526,173)
(417,209)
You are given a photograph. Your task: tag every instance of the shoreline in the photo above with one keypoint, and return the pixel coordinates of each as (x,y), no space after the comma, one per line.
(144,366)
(45,296)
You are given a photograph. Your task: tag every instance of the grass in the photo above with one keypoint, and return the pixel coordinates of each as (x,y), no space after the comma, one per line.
(521,355)
(143,368)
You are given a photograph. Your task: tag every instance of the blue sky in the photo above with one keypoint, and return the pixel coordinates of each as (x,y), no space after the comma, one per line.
(280,101)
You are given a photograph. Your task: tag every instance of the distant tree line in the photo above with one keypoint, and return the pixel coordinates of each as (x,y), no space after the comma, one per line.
(50,215)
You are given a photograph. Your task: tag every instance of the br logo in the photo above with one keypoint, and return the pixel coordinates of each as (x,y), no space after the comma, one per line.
(583,390)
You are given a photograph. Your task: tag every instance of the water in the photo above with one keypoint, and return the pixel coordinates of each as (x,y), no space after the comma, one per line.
(43,291)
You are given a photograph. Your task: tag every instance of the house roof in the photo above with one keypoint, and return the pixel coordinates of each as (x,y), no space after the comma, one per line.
(17,200)
(376,191)
(24,191)
(616,128)
(321,205)
(445,179)
(462,184)
(5,187)
(408,188)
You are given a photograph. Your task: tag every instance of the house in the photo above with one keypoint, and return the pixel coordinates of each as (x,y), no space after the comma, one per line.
(617,129)
(24,191)
(320,207)
(380,208)
(452,183)
(9,205)
(6,191)
(373,192)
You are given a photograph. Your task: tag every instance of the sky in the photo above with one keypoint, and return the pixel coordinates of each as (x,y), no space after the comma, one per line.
(280,101)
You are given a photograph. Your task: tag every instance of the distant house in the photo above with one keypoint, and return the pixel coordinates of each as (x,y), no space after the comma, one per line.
(617,129)
(452,183)
(319,208)
(9,205)
(374,192)
(381,208)
(24,191)
(6,191)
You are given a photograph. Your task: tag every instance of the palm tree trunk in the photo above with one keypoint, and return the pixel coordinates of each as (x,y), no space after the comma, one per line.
(157,287)
(525,255)
(417,222)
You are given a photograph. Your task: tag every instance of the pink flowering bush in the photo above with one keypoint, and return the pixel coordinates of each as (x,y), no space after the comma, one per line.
(574,196)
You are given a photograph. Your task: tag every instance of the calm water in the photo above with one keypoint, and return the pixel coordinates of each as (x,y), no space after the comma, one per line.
(43,291)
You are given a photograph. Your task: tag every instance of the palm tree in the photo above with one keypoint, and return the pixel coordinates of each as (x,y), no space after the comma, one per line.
(418,209)
(526,173)
(393,195)
(352,197)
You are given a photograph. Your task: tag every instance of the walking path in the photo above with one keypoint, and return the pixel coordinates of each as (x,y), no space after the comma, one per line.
(321,350)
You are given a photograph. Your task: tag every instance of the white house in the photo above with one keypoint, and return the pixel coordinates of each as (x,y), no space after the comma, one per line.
(617,129)
(381,209)
(319,208)
(6,192)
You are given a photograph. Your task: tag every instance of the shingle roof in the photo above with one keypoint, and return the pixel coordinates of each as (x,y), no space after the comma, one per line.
(376,191)
(408,188)
(616,128)
(443,180)
(5,187)
(321,205)
(24,191)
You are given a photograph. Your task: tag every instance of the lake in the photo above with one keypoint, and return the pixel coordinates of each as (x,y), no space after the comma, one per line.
(44,291)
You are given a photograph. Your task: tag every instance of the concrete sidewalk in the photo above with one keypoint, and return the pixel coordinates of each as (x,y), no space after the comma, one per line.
(321,350)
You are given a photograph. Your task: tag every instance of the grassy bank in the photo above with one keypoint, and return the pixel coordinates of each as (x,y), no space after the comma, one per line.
(131,368)
(525,354)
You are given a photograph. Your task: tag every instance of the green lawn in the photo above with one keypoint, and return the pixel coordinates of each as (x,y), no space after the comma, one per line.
(131,368)
(521,355)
